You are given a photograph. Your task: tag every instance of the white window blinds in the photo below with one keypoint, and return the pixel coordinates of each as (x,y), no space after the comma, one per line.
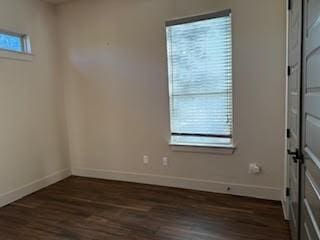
(200,79)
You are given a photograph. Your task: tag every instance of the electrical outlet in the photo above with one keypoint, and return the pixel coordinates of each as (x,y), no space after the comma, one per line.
(145,159)
(254,168)
(165,161)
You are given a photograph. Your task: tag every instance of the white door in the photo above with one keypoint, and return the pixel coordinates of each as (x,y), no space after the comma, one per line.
(310,204)
(294,93)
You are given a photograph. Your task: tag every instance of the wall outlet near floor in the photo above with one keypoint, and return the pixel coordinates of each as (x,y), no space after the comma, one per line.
(165,161)
(145,159)
(254,168)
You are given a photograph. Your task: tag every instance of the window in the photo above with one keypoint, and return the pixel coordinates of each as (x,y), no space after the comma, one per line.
(200,79)
(14,42)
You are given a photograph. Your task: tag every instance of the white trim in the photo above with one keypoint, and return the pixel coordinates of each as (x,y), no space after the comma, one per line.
(285,209)
(11,55)
(186,183)
(223,150)
(32,187)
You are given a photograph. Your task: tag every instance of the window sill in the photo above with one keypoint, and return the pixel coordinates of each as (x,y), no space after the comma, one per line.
(215,149)
(11,55)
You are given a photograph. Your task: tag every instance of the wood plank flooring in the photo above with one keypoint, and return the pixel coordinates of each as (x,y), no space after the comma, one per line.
(90,209)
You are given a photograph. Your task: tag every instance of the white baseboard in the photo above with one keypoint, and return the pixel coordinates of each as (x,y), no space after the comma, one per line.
(32,187)
(186,183)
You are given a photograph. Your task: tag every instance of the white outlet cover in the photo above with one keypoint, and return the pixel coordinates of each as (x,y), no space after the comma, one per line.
(145,159)
(165,161)
(254,168)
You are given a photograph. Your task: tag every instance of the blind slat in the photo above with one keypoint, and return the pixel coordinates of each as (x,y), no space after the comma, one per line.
(200,80)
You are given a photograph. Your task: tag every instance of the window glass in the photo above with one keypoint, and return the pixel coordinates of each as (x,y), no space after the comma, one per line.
(200,81)
(11,42)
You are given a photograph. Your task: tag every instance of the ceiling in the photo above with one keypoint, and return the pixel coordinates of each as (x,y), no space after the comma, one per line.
(56,1)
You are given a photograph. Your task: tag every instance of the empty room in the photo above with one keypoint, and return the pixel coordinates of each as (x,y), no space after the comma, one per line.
(159,119)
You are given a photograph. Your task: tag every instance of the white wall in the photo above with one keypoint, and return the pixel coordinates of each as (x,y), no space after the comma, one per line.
(114,65)
(33,141)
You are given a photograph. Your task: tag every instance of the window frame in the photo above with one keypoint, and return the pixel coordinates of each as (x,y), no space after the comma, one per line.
(206,148)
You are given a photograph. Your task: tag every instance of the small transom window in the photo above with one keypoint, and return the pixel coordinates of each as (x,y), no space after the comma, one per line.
(14,42)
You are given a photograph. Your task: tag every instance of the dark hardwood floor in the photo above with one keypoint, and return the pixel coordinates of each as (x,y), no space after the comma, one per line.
(91,209)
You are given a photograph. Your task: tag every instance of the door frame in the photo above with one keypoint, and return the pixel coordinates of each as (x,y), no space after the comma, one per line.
(286,192)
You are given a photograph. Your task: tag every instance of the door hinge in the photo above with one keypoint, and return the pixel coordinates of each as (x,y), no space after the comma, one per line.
(288,133)
(288,192)
(289,5)
(289,70)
